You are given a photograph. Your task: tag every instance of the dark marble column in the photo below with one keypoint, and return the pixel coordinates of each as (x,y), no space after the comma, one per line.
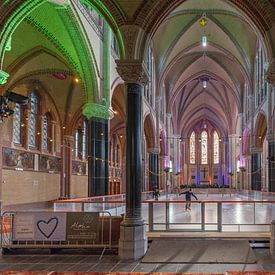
(256,170)
(271,166)
(153,169)
(98,168)
(133,240)
(133,153)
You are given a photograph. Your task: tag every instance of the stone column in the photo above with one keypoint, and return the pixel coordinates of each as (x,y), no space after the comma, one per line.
(256,169)
(67,151)
(133,240)
(270,77)
(153,168)
(98,166)
(232,160)
(185,160)
(177,162)
(1,163)
(271,165)
(98,143)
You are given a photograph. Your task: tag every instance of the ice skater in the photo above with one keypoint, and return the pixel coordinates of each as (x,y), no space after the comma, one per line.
(188,195)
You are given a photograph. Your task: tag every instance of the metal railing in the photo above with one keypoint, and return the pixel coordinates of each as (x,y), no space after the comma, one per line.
(8,241)
(211,216)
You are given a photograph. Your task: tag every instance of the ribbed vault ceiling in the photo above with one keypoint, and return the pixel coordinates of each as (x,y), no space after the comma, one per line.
(227,61)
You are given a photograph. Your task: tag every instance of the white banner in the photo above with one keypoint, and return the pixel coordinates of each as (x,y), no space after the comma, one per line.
(39,226)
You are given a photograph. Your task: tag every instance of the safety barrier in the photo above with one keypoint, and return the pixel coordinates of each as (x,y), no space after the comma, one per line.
(216,216)
(59,230)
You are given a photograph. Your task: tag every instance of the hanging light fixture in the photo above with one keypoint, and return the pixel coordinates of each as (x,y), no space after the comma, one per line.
(204,40)
(204,80)
(203,22)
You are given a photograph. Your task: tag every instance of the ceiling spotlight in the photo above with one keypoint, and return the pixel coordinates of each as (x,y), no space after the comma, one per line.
(204,40)
(204,81)
(76,80)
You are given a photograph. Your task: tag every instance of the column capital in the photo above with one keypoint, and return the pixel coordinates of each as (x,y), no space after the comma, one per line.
(153,150)
(97,110)
(3,77)
(255,150)
(176,136)
(68,140)
(132,71)
(270,74)
(270,135)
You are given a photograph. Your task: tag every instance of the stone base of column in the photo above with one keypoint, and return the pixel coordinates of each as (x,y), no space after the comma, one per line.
(133,242)
(272,238)
(272,246)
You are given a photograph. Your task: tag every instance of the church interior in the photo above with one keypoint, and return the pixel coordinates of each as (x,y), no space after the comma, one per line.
(124,100)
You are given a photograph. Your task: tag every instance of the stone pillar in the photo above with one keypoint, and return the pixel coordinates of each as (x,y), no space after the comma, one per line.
(270,78)
(67,151)
(98,146)
(272,238)
(256,170)
(153,168)
(133,240)
(177,162)
(185,160)
(169,132)
(232,160)
(98,166)
(271,165)
(1,164)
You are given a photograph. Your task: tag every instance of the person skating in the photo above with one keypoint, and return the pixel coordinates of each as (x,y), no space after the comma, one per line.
(188,194)
(156,194)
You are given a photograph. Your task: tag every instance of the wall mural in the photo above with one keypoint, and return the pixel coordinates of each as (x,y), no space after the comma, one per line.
(49,164)
(79,168)
(18,159)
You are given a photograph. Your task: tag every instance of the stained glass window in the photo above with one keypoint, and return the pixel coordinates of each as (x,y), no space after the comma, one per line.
(45,133)
(216,147)
(204,148)
(193,148)
(76,143)
(33,120)
(17,122)
(84,138)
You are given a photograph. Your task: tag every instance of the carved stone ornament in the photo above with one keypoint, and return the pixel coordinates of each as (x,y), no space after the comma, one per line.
(270,74)
(129,34)
(97,110)
(3,77)
(132,71)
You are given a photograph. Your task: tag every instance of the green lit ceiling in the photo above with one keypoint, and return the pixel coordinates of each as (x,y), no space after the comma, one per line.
(54,28)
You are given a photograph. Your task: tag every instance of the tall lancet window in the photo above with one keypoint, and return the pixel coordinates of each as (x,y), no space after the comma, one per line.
(84,139)
(34,115)
(45,133)
(216,148)
(17,124)
(193,148)
(204,148)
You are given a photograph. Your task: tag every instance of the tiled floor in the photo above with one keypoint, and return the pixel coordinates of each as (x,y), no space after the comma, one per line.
(111,263)
(83,262)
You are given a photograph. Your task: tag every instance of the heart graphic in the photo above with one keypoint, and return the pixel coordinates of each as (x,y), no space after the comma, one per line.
(47,228)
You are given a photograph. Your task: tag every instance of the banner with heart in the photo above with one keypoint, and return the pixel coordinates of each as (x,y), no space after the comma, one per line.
(40,226)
